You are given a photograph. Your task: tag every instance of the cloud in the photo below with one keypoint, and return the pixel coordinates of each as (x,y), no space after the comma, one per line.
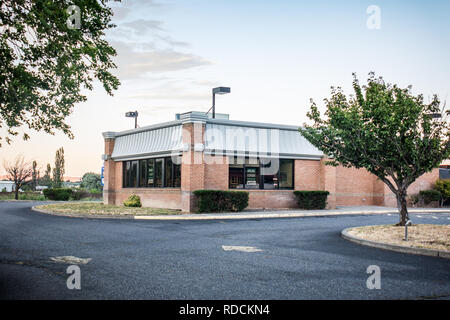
(133,63)
(142,25)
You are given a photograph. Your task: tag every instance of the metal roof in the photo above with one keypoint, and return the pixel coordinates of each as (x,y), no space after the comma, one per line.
(222,136)
(159,141)
(262,140)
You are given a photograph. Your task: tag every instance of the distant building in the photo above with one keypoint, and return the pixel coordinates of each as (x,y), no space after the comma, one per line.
(7,186)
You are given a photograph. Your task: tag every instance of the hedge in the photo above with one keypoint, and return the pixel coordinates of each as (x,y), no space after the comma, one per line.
(59,194)
(311,199)
(221,201)
(430,195)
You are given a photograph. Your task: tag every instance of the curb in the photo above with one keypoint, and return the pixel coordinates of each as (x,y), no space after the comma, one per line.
(237,216)
(394,247)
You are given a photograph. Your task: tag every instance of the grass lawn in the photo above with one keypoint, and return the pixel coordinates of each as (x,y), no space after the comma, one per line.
(98,208)
(427,236)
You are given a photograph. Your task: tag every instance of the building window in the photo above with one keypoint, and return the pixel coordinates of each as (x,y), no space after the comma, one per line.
(286,174)
(265,174)
(236,173)
(142,173)
(158,183)
(152,173)
(269,172)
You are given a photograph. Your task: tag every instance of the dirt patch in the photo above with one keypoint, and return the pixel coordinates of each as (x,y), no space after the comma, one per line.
(427,236)
(96,208)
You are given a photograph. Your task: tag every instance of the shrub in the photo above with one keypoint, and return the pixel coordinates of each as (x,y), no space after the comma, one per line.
(443,186)
(133,201)
(311,199)
(221,201)
(414,199)
(59,194)
(430,195)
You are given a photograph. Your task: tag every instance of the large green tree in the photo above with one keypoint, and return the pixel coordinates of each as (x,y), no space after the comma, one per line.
(50,50)
(385,129)
(91,181)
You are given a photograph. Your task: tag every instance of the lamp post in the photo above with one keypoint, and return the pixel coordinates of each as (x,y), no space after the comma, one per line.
(132,114)
(218,90)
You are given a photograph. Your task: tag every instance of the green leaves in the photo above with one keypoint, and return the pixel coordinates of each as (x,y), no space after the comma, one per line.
(44,64)
(382,128)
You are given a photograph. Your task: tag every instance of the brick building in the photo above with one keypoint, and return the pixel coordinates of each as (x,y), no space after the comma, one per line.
(165,163)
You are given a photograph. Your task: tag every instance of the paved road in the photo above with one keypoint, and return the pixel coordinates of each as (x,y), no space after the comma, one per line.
(301,258)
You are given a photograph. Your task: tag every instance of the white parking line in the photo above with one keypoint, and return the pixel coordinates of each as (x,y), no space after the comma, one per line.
(240,248)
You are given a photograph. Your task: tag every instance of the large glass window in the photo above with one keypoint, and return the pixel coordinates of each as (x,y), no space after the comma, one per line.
(134,174)
(287,174)
(252,173)
(158,183)
(236,173)
(267,174)
(158,173)
(168,173)
(142,173)
(150,172)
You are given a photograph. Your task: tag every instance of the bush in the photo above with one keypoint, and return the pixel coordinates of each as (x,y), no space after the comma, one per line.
(443,186)
(59,194)
(133,201)
(430,195)
(311,199)
(221,201)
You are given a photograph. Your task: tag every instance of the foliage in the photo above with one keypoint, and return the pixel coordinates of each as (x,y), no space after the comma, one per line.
(82,194)
(59,194)
(385,129)
(59,170)
(19,171)
(46,62)
(133,201)
(429,196)
(443,186)
(46,180)
(35,196)
(34,176)
(311,199)
(221,201)
(91,181)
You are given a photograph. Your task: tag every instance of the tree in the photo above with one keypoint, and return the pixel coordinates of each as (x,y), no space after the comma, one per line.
(91,181)
(384,129)
(34,175)
(18,171)
(49,52)
(46,180)
(58,170)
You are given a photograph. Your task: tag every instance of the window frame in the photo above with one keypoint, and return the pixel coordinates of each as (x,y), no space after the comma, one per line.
(261,176)
(127,169)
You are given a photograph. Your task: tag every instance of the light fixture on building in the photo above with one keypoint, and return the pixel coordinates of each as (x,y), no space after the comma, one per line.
(132,114)
(218,90)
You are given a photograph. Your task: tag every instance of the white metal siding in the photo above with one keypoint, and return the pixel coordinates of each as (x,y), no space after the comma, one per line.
(229,139)
(148,143)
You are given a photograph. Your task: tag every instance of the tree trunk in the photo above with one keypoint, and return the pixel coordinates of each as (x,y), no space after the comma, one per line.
(402,208)
(16,193)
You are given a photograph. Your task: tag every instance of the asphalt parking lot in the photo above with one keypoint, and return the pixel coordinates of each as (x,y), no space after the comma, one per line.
(290,258)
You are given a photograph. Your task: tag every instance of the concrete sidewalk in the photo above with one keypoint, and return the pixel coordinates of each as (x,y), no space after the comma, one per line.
(255,214)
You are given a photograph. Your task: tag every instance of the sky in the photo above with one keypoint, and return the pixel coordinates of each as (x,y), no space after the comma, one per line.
(275,56)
